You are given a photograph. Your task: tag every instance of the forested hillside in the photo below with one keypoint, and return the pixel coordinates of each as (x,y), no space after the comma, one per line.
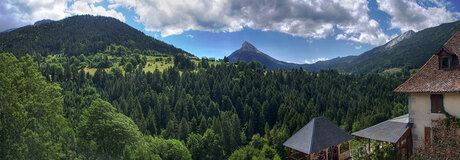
(80,35)
(410,53)
(191,110)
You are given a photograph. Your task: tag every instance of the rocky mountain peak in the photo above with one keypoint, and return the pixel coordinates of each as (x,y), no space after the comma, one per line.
(248,47)
(404,36)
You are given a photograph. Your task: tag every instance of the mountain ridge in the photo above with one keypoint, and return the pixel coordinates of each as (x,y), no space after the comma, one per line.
(82,34)
(410,49)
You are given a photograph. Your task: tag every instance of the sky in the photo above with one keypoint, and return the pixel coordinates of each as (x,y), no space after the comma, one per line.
(296,31)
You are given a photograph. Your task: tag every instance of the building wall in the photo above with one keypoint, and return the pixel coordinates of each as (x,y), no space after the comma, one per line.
(452,104)
(420,115)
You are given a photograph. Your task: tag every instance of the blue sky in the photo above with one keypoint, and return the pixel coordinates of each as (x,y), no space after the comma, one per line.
(298,31)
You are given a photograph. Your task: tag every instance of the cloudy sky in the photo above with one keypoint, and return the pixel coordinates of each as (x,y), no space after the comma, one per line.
(299,31)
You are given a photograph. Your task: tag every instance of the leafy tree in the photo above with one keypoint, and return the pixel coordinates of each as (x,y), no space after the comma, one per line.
(170,149)
(129,67)
(257,149)
(32,125)
(116,71)
(104,132)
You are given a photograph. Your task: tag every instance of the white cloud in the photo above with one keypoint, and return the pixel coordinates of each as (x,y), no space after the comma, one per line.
(172,17)
(316,60)
(88,7)
(189,36)
(362,28)
(16,13)
(308,19)
(409,15)
(358,47)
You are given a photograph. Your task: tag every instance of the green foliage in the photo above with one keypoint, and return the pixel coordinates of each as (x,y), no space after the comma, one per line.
(170,149)
(32,125)
(258,148)
(116,71)
(83,34)
(181,62)
(103,131)
(207,113)
(129,67)
(380,150)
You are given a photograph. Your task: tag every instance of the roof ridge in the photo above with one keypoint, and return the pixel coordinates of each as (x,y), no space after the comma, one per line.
(312,134)
(407,81)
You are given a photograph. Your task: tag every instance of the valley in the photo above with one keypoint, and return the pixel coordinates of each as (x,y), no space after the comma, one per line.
(92,87)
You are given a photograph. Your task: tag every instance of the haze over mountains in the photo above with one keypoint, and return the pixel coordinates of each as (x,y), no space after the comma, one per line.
(410,49)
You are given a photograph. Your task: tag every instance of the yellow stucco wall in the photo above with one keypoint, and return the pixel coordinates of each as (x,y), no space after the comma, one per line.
(420,115)
(452,104)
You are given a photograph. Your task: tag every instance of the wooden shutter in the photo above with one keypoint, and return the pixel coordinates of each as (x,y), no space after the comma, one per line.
(436,103)
(427,135)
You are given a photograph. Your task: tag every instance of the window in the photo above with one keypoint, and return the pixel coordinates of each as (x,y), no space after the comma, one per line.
(436,103)
(445,62)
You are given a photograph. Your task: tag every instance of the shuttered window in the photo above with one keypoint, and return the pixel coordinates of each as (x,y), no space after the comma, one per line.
(436,103)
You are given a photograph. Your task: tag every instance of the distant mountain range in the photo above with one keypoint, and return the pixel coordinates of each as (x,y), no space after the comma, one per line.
(79,35)
(410,49)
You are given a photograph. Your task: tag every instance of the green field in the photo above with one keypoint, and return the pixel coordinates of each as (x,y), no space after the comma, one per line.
(153,62)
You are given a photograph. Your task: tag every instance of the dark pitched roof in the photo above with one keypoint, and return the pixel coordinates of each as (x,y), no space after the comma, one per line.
(387,131)
(317,135)
(431,79)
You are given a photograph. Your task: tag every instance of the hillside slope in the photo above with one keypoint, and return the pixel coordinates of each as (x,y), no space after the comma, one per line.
(413,52)
(79,35)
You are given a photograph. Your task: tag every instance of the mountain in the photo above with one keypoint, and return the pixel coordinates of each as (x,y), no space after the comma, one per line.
(342,62)
(249,53)
(43,22)
(8,30)
(36,24)
(410,49)
(79,35)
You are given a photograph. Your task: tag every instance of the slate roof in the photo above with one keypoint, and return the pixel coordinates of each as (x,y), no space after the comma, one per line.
(388,131)
(431,79)
(316,136)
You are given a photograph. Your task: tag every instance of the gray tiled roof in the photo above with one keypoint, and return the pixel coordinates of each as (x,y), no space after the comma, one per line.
(317,135)
(387,131)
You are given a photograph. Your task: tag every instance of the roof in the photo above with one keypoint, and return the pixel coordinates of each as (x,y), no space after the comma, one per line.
(317,135)
(431,79)
(388,131)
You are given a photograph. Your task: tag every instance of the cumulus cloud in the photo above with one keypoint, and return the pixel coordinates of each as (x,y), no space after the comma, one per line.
(172,17)
(362,28)
(316,60)
(409,15)
(189,36)
(358,47)
(88,7)
(308,19)
(16,13)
